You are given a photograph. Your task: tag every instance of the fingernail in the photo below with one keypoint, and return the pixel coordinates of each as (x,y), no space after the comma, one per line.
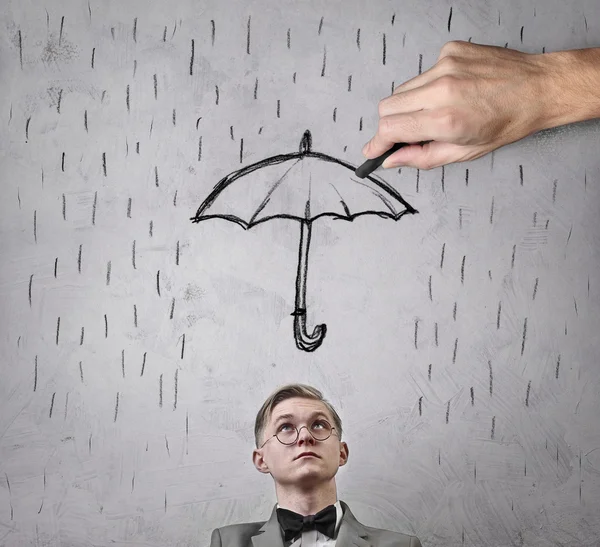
(364,149)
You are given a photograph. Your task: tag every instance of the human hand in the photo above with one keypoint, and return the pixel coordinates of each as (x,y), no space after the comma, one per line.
(475,99)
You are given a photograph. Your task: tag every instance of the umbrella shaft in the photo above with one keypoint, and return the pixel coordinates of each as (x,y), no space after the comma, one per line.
(304,340)
(305,229)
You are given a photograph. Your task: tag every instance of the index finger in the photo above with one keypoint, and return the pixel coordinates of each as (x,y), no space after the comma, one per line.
(393,129)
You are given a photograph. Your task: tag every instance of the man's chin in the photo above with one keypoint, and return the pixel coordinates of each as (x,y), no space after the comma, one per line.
(304,480)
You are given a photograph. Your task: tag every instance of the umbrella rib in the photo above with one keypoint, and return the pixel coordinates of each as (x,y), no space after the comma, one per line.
(269,193)
(378,194)
(379,182)
(232,177)
(346,209)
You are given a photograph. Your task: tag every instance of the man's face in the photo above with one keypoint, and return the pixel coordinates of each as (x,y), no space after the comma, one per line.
(282,461)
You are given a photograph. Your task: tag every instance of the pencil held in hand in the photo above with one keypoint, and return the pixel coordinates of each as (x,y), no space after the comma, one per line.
(370,165)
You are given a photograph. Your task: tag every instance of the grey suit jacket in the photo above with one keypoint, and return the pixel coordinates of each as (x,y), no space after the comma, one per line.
(268,534)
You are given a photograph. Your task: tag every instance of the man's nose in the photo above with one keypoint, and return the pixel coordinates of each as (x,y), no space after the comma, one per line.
(304,435)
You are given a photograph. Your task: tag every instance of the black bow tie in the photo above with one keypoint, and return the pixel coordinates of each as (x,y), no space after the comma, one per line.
(293,523)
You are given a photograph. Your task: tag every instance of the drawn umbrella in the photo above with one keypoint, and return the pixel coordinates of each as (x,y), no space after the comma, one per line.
(301,186)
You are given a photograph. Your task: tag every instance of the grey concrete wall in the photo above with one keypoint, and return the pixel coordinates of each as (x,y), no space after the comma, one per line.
(136,347)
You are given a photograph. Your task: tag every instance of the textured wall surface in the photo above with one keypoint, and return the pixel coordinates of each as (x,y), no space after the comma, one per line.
(136,346)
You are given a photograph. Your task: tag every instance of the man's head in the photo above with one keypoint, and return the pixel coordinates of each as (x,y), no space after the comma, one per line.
(298,405)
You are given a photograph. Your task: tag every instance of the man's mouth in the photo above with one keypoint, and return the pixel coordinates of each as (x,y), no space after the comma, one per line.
(305,454)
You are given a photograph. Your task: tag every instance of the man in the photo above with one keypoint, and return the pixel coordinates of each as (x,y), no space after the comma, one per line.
(298,437)
(477,98)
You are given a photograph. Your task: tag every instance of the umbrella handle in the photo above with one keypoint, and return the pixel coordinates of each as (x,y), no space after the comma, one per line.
(304,340)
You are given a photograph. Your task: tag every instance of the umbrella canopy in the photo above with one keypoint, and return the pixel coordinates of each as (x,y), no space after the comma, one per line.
(301,186)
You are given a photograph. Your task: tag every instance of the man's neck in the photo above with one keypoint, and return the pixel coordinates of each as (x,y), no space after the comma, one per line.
(306,502)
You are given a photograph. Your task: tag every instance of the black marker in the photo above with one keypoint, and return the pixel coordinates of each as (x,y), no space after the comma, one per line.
(370,165)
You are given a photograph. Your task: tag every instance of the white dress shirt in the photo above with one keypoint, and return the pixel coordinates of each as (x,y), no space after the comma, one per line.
(314,538)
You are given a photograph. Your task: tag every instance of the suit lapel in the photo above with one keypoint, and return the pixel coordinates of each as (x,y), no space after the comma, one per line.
(351,533)
(270,533)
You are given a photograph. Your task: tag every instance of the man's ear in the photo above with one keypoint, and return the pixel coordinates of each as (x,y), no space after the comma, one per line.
(344,453)
(259,462)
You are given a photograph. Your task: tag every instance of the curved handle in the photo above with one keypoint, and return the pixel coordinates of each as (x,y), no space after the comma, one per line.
(305,341)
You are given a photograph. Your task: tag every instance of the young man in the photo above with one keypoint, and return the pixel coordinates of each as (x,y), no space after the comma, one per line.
(298,438)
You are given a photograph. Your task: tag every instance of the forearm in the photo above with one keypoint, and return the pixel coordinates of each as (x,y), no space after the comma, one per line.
(572,93)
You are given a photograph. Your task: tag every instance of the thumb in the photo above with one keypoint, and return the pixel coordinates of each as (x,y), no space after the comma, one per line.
(429,155)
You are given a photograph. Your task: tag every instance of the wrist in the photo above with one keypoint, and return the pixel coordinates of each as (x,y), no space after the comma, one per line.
(571,87)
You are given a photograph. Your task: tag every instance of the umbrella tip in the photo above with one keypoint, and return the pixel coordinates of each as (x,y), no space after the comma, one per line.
(306,142)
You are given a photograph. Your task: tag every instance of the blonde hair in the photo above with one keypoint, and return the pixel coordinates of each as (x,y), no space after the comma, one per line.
(287,392)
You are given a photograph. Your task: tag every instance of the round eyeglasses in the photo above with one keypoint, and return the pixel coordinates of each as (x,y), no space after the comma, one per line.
(288,434)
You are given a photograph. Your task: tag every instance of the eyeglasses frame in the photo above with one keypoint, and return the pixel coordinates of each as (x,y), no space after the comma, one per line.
(298,434)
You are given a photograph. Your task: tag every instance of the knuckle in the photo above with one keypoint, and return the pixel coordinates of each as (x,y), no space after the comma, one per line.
(447,85)
(428,163)
(422,163)
(453,47)
(383,106)
(385,127)
(451,121)
(449,63)
(425,161)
